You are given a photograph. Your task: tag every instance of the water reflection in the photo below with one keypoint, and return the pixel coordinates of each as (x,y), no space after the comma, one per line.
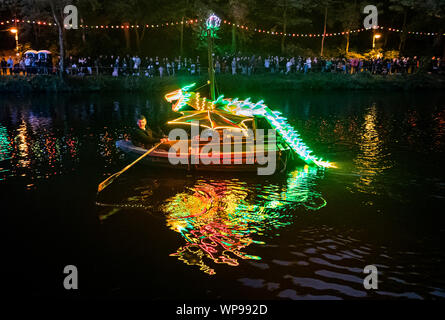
(21,144)
(5,144)
(38,152)
(371,160)
(5,149)
(439,129)
(219,219)
(321,263)
(391,152)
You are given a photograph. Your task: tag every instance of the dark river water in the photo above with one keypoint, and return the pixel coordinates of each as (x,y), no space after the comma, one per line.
(305,234)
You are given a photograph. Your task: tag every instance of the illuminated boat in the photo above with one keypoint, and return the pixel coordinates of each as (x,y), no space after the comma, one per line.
(237,155)
(219,120)
(224,117)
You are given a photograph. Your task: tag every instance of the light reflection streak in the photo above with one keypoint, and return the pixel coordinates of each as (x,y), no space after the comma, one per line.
(219,219)
(22,145)
(371,160)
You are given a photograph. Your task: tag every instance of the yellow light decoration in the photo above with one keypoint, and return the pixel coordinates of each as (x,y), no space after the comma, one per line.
(243,27)
(215,119)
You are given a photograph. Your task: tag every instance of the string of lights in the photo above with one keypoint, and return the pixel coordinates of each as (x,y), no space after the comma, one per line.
(224,22)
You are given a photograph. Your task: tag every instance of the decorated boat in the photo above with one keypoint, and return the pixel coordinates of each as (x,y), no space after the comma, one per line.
(225,134)
(229,142)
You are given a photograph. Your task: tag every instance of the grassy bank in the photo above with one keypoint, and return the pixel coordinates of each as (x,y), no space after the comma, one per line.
(314,81)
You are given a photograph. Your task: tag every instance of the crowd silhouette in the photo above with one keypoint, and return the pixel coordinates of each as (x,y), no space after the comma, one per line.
(134,65)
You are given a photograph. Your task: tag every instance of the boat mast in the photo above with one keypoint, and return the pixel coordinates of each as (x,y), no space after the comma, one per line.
(211,69)
(213,23)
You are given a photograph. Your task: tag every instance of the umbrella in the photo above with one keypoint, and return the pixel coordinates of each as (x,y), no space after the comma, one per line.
(213,119)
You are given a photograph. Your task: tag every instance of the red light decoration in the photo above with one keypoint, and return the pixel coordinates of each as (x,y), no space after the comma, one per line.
(243,27)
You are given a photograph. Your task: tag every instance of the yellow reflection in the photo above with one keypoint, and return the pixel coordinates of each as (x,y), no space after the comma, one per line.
(370,161)
(21,141)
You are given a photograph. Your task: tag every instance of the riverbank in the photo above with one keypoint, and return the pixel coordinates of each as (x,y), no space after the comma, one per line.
(294,82)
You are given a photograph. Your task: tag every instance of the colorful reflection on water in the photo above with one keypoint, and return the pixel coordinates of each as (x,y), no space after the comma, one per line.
(5,148)
(220,219)
(35,149)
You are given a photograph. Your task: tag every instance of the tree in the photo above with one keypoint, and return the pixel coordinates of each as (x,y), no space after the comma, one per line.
(404,7)
(324,6)
(238,11)
(57,12)
(181,10)
(349,16)
(435,11)
(87,9)
(288,13)
(136,12)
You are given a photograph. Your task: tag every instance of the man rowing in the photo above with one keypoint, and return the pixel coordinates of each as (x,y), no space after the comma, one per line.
(144,137)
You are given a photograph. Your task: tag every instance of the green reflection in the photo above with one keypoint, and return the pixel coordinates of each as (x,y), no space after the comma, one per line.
(5,144)
(219,219)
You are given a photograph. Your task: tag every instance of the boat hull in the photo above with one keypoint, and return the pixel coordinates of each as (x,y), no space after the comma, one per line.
(159,158)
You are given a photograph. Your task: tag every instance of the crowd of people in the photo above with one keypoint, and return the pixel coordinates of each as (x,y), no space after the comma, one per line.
(26,65)
(133,65)
(289,65)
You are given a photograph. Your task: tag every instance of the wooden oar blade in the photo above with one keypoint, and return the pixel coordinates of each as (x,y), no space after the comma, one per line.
(102,186)
(110,180)
(106,183)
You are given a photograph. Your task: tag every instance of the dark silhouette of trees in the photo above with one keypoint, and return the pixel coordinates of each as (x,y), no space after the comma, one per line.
(280,16)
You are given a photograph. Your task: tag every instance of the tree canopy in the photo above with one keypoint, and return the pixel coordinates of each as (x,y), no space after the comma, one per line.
(282,16)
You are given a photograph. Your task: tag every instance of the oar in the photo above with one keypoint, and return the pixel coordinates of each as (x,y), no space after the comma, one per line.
(110,180)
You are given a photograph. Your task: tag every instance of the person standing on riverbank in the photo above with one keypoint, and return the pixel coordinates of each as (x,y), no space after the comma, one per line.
(267,64)
(307,65)
(3,66)
(10,65)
